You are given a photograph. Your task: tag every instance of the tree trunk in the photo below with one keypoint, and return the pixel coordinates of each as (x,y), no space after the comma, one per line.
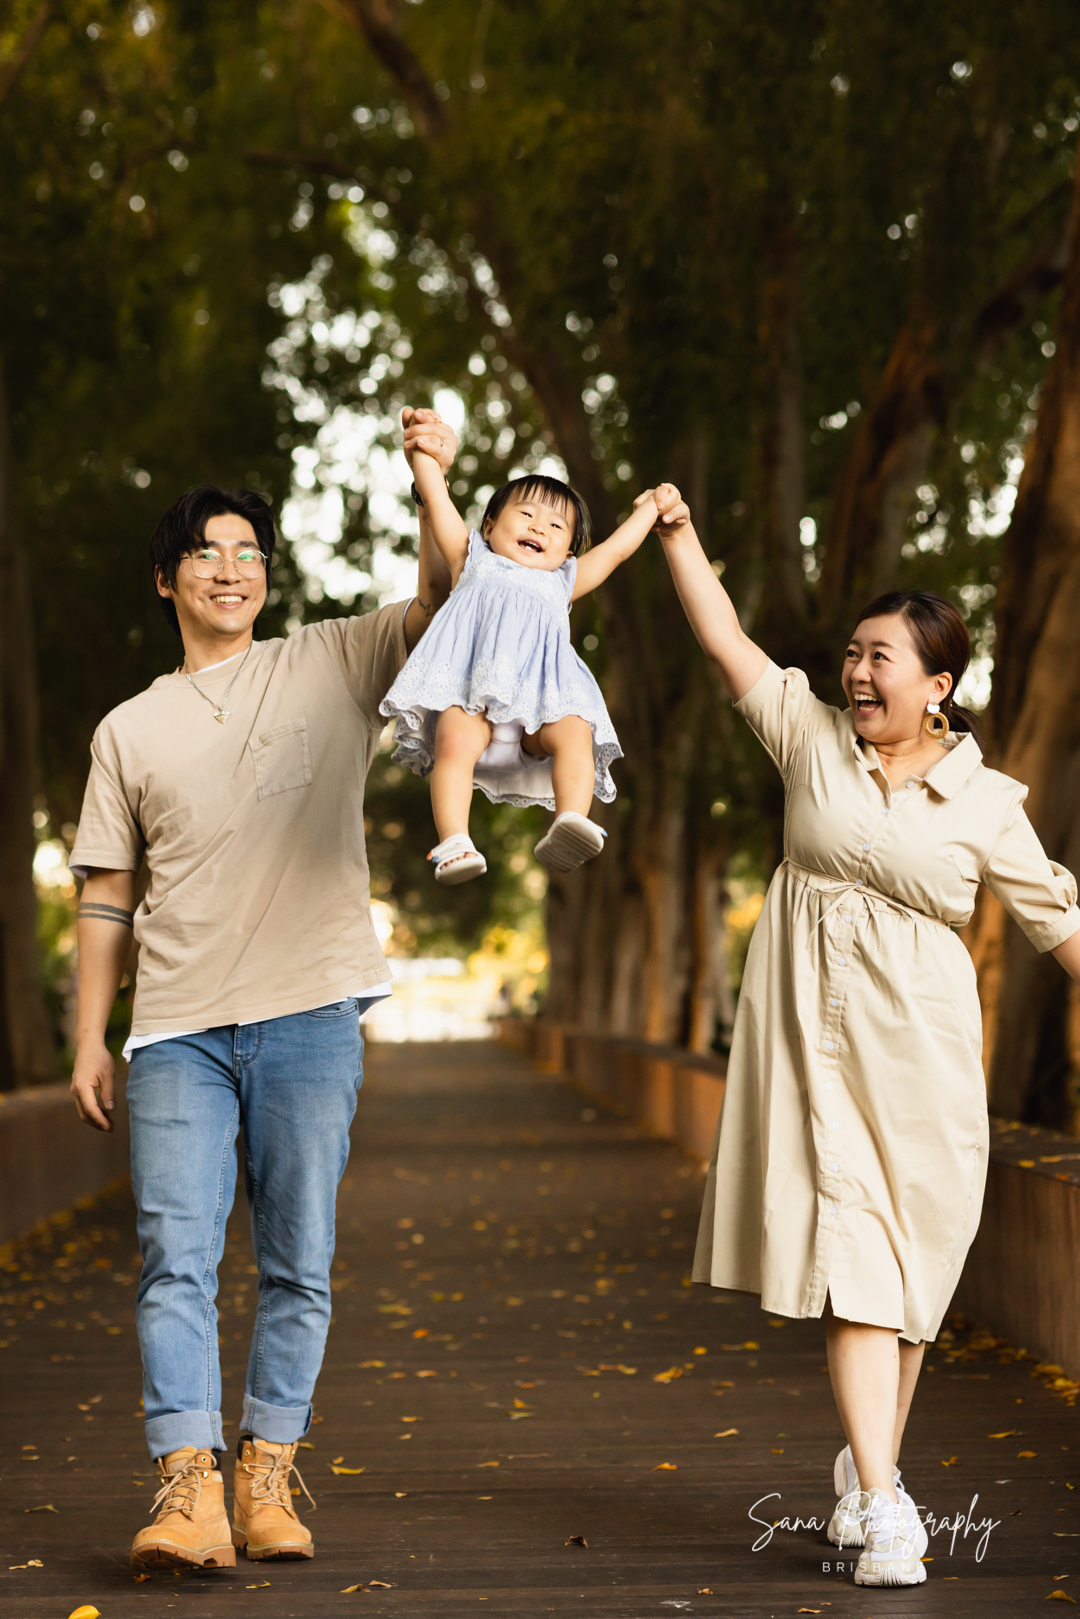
(1034,724)
(27,1048)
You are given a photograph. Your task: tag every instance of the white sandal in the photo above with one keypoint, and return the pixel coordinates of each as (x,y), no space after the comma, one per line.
(457,859)
(570,841)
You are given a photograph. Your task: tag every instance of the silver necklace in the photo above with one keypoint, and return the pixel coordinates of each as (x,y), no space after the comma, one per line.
(221,713)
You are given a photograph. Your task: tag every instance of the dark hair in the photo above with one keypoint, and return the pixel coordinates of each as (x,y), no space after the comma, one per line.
(538,487)
(183,528)
(941,641)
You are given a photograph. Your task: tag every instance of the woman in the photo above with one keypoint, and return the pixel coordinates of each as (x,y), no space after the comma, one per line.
(849,1166)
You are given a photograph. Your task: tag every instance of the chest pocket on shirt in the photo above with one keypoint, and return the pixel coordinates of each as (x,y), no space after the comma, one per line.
(282,758)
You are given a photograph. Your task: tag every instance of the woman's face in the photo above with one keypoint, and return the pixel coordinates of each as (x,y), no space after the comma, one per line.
(885,683)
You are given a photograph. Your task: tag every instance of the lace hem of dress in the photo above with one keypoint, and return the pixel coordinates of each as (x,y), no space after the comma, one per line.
(413,751)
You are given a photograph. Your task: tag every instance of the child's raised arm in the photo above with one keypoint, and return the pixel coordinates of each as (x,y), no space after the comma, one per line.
(448,528)
(708,606)
(602,560)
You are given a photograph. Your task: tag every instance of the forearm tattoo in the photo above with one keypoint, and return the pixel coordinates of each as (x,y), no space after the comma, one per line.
(106,913)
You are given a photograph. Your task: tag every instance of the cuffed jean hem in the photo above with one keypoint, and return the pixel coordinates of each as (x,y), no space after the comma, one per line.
(281,1424)
(178,1428)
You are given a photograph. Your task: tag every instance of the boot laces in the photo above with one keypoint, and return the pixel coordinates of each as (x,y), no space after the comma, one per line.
(270,1480)
(180,1491)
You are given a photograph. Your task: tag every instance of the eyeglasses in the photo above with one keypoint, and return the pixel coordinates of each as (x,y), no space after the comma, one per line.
(206,564)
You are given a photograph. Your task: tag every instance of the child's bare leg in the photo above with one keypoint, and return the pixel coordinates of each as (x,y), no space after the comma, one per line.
(460,739)
(568,743)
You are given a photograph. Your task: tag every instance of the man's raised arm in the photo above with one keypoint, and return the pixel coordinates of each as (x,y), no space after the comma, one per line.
(424,430)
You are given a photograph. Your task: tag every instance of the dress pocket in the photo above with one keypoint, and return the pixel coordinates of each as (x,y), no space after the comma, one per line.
(282,758)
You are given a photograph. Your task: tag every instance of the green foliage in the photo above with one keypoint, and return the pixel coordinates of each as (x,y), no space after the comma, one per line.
(600,224)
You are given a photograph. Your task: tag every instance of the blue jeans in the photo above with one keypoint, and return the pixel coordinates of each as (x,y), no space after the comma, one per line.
(292,1083)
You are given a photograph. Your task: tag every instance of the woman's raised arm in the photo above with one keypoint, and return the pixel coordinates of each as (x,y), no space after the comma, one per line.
(708,606)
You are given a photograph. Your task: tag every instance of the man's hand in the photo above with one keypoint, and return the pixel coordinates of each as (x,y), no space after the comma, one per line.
(93,1085)
(425,430)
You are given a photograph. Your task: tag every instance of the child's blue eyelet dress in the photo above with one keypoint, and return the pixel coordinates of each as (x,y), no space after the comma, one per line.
(501,647)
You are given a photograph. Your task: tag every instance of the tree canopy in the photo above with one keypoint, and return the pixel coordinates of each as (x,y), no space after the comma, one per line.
(801,258)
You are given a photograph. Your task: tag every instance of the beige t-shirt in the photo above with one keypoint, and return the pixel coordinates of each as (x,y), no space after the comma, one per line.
(253,831)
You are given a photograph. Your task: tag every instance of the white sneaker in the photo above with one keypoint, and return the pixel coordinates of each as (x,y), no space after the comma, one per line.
(895,1542)
(847,1526)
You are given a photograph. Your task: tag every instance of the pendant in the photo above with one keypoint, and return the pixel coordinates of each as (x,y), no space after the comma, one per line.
(222,715)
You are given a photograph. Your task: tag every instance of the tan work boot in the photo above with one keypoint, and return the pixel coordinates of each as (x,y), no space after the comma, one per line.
(265,1524)
(191,1529)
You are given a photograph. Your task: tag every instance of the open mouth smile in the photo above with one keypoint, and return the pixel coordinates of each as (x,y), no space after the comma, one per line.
(229,600)
(866,703)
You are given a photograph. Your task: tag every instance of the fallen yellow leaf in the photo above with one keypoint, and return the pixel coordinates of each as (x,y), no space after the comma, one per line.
(345,1589)
(727,1433)
(260,1587)
(701,1351)
(1006,1435)
(338,1460)
(779,1452)
(382,1584)
(666,1467)
(1060,1596)
(85,1612)
(365,1364)
(49,1508)
(487,1464)
(351,1471)
(1027,1453)
(951,1461)
(668,1376)
(577,1540)
(141,1579)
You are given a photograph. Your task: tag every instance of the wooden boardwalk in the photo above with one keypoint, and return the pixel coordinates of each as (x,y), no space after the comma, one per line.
(517,1360)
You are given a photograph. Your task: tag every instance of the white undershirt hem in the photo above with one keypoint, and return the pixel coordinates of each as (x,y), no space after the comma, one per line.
(365,1000)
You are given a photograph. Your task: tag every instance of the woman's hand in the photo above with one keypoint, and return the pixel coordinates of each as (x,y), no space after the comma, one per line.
(425,430)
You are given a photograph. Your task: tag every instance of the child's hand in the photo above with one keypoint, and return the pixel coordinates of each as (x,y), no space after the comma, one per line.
(672,512)
(425,430)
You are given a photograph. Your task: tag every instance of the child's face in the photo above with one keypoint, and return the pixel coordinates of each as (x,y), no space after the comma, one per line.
(533,533)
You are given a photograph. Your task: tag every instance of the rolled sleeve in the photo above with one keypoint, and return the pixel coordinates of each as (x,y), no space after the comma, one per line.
(782,712)
(1038,894)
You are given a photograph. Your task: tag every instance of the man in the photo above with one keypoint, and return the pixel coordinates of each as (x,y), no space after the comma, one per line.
(239,780)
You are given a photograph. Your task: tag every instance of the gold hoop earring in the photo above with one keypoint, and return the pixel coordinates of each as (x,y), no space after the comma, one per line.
(935,724)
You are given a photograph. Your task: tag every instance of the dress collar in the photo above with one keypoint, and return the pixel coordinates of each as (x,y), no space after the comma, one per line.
(963,755)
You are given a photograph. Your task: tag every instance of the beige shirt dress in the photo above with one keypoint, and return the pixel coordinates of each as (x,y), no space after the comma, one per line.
(851,1153)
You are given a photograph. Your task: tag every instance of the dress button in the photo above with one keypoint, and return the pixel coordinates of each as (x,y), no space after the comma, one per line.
(858,882)
(829,1085)
(841,961)
(885,811)
(849,918)
(830,1045)
(834,1168)
(834,1003)
(835,1124)
(866,848)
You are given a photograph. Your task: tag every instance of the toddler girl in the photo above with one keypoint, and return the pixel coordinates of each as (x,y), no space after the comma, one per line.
(494,696)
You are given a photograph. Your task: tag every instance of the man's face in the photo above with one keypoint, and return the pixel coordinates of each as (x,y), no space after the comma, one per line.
(227,604)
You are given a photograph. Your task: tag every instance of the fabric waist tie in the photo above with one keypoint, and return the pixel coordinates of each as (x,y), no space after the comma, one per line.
(844,888)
